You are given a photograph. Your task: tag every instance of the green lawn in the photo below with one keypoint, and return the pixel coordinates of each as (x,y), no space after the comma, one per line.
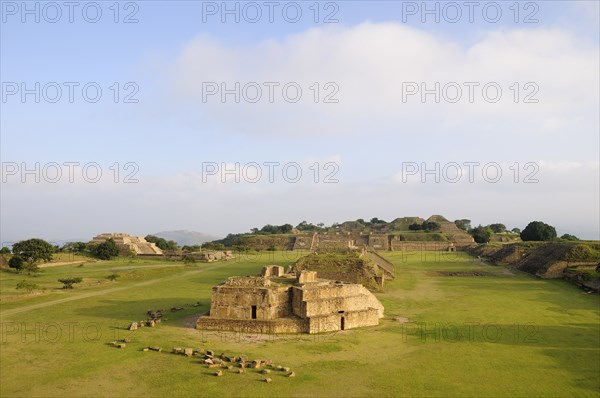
(484,336)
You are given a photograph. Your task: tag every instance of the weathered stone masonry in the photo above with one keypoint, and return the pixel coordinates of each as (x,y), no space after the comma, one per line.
(281,303)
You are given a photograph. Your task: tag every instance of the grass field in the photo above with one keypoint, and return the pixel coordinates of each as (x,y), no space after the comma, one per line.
(501,334)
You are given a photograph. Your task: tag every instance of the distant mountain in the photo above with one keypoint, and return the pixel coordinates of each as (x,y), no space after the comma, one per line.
(188,238)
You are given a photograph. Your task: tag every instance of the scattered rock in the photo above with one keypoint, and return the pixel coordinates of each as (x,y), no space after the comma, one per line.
(145,349)
(255,364)
(243,358)
(122,345)
(133,326)
(217,361)
(214,365)
(156,349)
(113,343)
(286,370)
(265,371)
(291,374)
(279,367)
(176,350)
(126,340)
(208,361)
(188,352)
(268,380)
(210,352)
(240,371)
(219,373)
(175,309)
(229,367)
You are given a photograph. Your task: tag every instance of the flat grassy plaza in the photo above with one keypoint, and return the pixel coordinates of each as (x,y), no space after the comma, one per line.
(453,326)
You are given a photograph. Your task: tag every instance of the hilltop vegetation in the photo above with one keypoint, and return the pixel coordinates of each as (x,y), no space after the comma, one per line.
(347,266)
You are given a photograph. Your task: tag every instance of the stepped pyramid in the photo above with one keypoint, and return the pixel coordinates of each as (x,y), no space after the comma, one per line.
(128,243)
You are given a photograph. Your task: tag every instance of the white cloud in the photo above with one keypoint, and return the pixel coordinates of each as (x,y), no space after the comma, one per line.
(370,62)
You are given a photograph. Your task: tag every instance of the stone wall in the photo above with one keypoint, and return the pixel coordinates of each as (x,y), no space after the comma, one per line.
(398,245)
(238,302)
(303,242)
(259,304)
(328,298)
(272,270)
(379,242)
(285,325)
(342,321)
(210,256)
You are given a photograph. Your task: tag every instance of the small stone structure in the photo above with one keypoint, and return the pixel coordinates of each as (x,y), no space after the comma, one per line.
(211,256)
(128,244)
(284,303)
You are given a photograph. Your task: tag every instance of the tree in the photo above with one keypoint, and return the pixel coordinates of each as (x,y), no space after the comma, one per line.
(516,230)
(497,228)
(538,231)
(463,224)
(5,250)
(569,237)
(16,262)
(481,234)
(430,226)
(69,282)
(33,250)
(106,250)
(415,227)
(161,243)
(74,247)
(213,246)
(190,249)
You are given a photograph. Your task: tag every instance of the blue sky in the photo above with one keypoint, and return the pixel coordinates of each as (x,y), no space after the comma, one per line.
(370,134)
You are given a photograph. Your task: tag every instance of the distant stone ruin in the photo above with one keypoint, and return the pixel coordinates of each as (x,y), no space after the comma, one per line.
(276,302)
(129,244)
(211,256)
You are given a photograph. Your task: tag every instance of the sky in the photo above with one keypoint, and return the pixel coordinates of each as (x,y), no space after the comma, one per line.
(218,117)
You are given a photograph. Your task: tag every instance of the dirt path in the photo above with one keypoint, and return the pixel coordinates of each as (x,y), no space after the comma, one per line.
(82,296)
(46,265)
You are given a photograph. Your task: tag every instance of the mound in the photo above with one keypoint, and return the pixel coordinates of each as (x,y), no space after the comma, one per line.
(341,266)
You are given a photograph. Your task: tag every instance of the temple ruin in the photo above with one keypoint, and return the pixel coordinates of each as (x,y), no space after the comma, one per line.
(279,302)
(128,244)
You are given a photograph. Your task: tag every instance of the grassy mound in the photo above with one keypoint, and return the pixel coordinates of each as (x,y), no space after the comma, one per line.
(345,266)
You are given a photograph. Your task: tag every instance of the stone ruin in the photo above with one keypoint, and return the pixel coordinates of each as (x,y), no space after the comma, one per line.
(128,244)
(211,256)
(274,302)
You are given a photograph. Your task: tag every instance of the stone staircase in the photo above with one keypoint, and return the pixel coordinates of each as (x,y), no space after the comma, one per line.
(384,265)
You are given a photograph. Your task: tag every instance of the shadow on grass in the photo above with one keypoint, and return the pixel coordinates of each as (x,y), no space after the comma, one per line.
(136,310)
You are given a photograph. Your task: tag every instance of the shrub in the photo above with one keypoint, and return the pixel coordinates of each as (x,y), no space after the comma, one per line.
(113,277)
(69,282)
(29,286)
